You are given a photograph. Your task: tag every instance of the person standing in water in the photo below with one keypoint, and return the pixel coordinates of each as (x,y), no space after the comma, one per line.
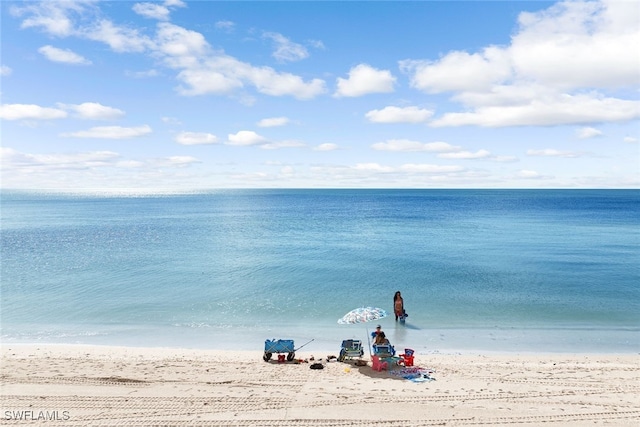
(398,305)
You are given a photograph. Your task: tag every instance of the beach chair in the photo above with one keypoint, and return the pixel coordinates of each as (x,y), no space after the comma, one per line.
(350,349)
(378,364)
(387,354)
(407,357)
(383,350)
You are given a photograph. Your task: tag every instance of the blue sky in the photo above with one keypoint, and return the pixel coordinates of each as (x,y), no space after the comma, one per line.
(180,96)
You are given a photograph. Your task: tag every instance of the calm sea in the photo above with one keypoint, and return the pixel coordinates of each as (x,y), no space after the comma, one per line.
(480,270)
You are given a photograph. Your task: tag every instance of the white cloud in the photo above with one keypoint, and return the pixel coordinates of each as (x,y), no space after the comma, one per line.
(223,74)
(207,72)
(480,154)
(55,18)
(196,138)
(245,138)
(176,3)
(227,26)
(157,11)
(182,47)
(14,159)
(269,82)
(316,44)
(208,81)
(142,74)
(273,122)
(551,152)
(5,70)
(529,174)
(327,146)
(399,115)
(364,79)
(430,169)
(592,40)
(119,39)
(282,144)
(171,121)
(405,145)
(372,167)
(557,110)
(110,132)
(201,69)
(377,175)
(175,161)
(559,66)
(287,170)
(81,165)
(152,10)
(459,71)
(588,132)
(65,56)
(444,150)
(130,164)
(30,111)
(93,111)
(504,159)
(630,139)
(285,49)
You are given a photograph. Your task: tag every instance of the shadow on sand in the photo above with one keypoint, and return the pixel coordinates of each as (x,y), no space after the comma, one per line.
(354,365)
(368,371)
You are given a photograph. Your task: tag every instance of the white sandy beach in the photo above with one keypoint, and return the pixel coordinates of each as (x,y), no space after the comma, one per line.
(75,385)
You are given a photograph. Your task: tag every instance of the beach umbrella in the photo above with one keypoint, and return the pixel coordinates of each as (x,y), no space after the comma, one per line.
(363,315)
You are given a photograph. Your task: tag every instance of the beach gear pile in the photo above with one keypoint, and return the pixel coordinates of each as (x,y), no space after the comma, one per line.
(415,374)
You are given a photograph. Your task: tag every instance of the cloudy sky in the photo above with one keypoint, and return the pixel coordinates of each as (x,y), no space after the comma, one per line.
(179,96)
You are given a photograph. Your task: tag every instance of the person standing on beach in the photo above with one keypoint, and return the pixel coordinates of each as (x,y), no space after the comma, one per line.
(398,305)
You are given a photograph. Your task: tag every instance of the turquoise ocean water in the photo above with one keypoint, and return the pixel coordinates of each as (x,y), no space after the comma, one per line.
(480,270)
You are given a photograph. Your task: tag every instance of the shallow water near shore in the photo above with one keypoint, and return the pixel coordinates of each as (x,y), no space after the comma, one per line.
(480,270)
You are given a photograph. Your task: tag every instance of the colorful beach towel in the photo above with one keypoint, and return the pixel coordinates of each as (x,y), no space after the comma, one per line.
(415,374)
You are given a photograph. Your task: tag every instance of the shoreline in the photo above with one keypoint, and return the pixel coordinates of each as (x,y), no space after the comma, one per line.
(117,385)
(318,336)
(159,350)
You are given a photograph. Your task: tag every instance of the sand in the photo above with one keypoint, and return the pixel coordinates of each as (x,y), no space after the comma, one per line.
(69,385)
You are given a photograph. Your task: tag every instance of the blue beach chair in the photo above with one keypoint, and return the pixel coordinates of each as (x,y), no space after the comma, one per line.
(383,350)
(350,349)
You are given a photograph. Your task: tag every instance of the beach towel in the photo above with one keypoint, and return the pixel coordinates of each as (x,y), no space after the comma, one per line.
(415,374)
